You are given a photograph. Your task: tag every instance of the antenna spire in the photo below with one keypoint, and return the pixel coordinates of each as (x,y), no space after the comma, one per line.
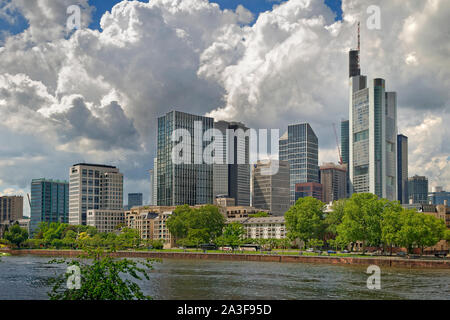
(359,36)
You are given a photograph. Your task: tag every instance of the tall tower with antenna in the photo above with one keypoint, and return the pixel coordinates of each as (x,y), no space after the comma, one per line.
(354,62)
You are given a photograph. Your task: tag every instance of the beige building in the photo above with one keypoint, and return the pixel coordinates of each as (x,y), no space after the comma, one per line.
(93,187)
(333,178)
(11,209)
(240,211)
(105,221)
(271,186)
(262,228)
(150,221)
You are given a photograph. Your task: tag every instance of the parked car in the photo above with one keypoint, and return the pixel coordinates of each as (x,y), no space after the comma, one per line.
(441,254)
(331,252)
(402,254)
(310,250)
(345,251)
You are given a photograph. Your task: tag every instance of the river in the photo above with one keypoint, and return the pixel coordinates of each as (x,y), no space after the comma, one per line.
(24,277)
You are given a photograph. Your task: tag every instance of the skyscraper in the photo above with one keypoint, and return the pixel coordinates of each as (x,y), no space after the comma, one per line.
(134,200)
(154,183)
(402,169)
(93,186)
(345,149)
(334,182)
(271,189)
(183,183)
(418,189)
(372,136)
(49,202)
(11,209)
(232,177)
(299,146)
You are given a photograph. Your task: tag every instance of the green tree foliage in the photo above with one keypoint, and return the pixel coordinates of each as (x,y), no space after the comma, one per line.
(305,219)
(102,278)
(196,225)
(260,214)
(362,219)
(334,218)
(391,224)
(16,235)
(232,235)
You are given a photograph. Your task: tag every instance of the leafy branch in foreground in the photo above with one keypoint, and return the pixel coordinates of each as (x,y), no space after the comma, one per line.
(100,278)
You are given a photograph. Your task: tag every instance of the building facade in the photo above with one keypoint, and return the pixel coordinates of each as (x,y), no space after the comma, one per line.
(262,228)
(11,209)
(300,147)
(438,196)
(418,189)
(93,187)
(190,182)
(345,150)
(402,169)
(49,202)
(309,189)
(134,200)
(271,186)
(373,138)
(333,179)
(232,175)
(106,221)
(154,183)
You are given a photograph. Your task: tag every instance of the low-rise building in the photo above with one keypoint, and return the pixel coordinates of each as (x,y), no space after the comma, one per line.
(105,221)
(262,228)
(240,211)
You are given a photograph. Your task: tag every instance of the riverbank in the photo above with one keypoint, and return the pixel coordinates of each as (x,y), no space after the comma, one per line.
(393,262)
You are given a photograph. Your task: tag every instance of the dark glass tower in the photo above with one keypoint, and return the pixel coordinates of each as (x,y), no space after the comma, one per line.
(180,184)
(49,202)
(402,168)
(300,148)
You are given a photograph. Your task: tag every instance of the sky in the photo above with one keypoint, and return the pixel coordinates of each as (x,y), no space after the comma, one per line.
(94,94)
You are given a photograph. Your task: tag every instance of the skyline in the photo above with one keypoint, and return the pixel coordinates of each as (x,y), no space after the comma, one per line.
(197,77)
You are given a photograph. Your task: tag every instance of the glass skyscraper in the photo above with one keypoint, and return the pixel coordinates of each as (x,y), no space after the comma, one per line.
(418,189)
(402,168)
(49,202)
(186,183)
(134,200)
(300,147)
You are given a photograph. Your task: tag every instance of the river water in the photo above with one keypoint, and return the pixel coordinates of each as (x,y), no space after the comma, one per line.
(24,277)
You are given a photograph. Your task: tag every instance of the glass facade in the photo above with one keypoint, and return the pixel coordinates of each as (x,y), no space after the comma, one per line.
(134,200)
(300,148)
(187,183)
(402,169)
(49,202)
(418,189)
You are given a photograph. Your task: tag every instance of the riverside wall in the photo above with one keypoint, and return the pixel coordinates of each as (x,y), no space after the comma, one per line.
(393,262)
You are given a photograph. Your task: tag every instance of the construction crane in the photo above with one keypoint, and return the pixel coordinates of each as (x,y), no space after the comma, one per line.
(341,162)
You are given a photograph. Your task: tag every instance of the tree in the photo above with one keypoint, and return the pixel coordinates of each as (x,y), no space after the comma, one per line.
(334,218)
(232,235)
(207,222)
(391,225)
(103,278)
(16,235)
(305,220)
(362,219)
(260,214)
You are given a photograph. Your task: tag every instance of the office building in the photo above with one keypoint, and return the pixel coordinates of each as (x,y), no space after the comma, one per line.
(106,221)
(402,169)
(345,149)
(333,179)
(93,187)
(300,147)
(134,200)
(271,186)
(438,196)
(154,183)
(11,209)
(232,175)
(418,189)
(373,138)
(189,181)
(309,189)
(49,202)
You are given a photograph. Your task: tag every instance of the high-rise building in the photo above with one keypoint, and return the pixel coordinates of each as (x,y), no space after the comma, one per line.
(418,189)
(439,196)
(402,169)
(300,147)
(345,149)
(154,183)
(49,202)
(232,176)
(309,189)
(93,187)
(11,209)
(190,182)
(134,200)
(333,178)
(271,187)
(373,138)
